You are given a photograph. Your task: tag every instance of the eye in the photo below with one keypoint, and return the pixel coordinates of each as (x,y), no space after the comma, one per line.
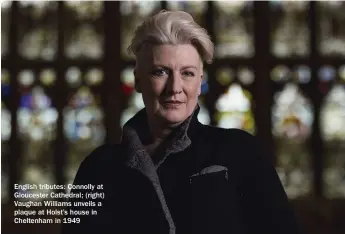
(159,72)
(188,73)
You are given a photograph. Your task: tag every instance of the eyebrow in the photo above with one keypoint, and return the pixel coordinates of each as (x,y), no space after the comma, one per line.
(166,67)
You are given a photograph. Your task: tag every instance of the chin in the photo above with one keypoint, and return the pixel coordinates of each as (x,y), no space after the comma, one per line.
(174,116)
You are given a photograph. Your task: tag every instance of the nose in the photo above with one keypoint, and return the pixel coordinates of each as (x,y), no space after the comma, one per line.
(174,84)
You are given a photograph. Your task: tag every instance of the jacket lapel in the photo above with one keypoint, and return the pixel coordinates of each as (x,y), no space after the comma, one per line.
(136,133)
(139,159)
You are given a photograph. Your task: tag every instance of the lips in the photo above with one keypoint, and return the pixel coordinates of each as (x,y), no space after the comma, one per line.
(172,102)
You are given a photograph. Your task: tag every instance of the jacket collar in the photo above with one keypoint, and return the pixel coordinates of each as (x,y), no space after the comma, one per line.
(136,133)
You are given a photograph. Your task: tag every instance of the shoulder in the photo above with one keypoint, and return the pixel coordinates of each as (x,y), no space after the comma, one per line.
(101,157)
(229,136)
(233,144)
(101,153)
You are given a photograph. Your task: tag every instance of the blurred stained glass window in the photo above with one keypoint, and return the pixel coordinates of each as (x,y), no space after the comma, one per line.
(132,15)
(298,74)
(331,30)
(83,116)
(6,130)
(5,83)
(281,73)
(37,129)
(289,32)
(234,109)
(134,105)
(135,100)
(127,81)
(5,136)
(301,74)
(84,29)
(225,76)
(94,77)
(204,115)
(234,106)
(233,26)
(342,73)
(73,77)
(196,8)
(333,133)
(245,75)
(292,118)
(327,75)
(38,32)
(204,84)
(5,17)
(83,127)
(47,77)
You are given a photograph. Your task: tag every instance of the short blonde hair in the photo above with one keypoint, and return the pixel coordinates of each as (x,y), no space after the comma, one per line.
(172,27)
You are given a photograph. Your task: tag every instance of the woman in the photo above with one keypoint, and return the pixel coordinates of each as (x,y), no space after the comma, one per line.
(171,174)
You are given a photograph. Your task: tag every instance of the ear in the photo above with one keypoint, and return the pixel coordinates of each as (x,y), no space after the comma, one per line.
(136,81)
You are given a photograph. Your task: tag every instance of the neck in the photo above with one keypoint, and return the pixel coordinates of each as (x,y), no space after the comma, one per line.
(159,130)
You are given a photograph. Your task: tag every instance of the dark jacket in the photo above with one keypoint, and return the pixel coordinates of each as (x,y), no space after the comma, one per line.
(203,180)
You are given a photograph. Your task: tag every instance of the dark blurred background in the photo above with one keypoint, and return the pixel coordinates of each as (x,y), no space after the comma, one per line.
(278,73)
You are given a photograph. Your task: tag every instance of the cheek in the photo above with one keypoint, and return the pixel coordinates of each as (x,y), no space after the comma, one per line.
(157,87)
(152,89)
(193,90)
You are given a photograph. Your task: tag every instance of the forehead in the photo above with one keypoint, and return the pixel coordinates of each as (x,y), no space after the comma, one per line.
(174,55)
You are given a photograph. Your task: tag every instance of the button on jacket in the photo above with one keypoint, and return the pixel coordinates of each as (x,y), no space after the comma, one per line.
(202,180)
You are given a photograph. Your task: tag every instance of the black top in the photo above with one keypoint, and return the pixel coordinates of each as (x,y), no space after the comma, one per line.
(206,180)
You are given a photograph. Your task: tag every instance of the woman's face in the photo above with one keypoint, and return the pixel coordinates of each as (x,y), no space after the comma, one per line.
(169,78)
